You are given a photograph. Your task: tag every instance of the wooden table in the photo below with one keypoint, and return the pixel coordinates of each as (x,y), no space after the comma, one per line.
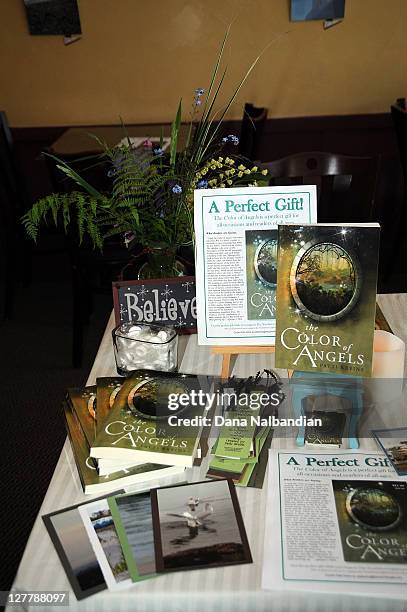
(213,590)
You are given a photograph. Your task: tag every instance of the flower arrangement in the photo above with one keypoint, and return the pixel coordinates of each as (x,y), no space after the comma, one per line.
(151,198)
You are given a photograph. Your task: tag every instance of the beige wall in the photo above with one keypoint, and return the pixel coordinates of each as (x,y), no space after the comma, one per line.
(137,57)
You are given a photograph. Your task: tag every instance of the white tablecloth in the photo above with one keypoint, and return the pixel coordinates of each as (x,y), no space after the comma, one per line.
(218,589)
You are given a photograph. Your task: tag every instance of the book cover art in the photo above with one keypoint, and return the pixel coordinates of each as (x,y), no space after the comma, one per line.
(90,480)
(261,273)
(106,390)
(83,403)
(372,520)
(139,423)
(330,432)
(326,298)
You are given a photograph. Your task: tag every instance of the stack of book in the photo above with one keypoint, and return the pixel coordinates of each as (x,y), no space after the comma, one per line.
(120,435)
(241,455)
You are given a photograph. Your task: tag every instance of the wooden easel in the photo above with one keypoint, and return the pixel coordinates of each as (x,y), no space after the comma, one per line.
(228,351)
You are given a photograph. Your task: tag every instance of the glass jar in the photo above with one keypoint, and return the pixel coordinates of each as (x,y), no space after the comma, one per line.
(144,346)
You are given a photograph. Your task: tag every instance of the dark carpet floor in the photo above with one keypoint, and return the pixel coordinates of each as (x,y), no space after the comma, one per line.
(35,366)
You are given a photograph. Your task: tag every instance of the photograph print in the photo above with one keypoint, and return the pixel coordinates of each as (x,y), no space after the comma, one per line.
(75,551)
(133,520)
(394,444)
(103,537)
(198,526)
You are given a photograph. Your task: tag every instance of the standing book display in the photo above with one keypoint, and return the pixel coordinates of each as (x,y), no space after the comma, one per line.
(236,263)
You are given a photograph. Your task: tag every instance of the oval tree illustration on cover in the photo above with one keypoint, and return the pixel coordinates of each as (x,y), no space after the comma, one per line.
(149,398)
(265,262)
(373,509)
(325,280)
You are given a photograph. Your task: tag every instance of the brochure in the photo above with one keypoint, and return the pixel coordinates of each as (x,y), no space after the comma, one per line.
(334,522)
(236,259)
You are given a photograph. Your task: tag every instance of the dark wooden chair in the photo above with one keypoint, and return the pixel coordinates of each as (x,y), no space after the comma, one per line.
(15,250)
(346,186)
(252,130)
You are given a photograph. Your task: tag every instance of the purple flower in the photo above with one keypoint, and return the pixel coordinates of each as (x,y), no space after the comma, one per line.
(147,143)
(231,138)
(177,189)
(202,184)
(158,151)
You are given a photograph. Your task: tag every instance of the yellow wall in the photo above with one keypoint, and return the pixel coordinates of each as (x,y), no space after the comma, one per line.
(137,57)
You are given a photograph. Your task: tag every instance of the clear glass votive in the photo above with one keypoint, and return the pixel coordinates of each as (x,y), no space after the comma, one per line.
(144,346)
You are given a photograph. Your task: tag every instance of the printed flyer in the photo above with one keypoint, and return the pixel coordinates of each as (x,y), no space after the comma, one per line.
(334,519)
(236,259)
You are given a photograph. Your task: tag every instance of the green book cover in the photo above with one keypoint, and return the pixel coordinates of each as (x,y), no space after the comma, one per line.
(372,519)
(134,525)
(83,402)
(106,390)
(139,427)
(86,465)
(261,273)
(326,298)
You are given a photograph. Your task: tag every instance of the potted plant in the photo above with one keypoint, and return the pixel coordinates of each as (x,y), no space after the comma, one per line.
(151,198)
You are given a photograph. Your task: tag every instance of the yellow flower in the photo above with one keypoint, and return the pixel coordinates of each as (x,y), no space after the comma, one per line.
(213,167)
(240,174)
(212,182)
(229,182)
(264,172)
(198,175)
(232,171)
(204,171)
(254,169)
(247,171)
(220,159)
(222,185)
(221,176)
(241,167)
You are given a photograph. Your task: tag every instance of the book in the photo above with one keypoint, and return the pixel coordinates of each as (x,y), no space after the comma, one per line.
(91,481)
(83,403)
(326,291)
(138,427)
(330,433)
(107,387)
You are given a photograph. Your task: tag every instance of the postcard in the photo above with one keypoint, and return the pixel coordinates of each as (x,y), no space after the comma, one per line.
(198,525)
(133,520)
(103,537)
(75,551)
(394,444)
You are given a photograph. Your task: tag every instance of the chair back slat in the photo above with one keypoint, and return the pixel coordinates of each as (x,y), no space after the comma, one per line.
(346,185)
